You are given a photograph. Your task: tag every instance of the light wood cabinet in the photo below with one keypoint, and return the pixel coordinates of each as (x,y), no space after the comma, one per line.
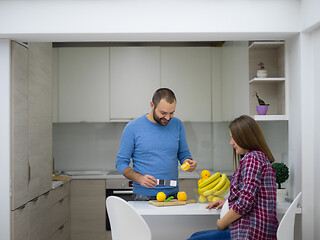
(272,89)
(20,222)
(134,77)
(20,172)
(187,71)
(88,210)
(83,84)
(188,185)
(40,118)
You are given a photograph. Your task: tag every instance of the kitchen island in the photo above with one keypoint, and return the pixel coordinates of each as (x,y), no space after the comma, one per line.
(176,222)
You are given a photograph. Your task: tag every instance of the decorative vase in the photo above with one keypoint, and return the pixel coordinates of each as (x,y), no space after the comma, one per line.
(262,109)
(281,195)
(262,73)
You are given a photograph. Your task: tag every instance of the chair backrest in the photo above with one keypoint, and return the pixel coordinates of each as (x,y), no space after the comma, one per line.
(286,226)
(125,222)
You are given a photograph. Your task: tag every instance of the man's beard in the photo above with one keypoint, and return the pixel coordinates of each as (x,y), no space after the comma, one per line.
(161,121)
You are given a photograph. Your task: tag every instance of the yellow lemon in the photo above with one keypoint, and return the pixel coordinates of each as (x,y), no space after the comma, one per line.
(205,173)
(200,181)
(182,196)
(185,166)
(161,196)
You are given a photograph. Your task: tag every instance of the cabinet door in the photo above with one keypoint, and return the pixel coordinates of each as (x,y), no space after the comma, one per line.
(19,160)
(83,75)
(187,71)
(40,219)
(20,223)
(88,210)
(40,118)
(134,77)
(188,186)
(235,87)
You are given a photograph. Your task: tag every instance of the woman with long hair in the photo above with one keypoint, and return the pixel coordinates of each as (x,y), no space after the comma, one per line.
(252,200)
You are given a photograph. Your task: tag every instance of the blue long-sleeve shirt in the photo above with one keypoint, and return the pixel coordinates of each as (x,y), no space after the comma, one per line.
(154,150)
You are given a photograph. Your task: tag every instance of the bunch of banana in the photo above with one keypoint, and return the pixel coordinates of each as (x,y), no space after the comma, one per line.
(214,187)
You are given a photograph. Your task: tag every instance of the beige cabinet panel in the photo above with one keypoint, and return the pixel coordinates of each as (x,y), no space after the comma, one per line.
(20,223)
(19,108)
(188,186)
(187,71)
(88,210)
(40,118)
(83,80)
(40,218)
(134,77)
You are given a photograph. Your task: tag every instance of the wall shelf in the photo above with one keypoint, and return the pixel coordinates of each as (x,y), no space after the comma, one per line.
(270,117)
(271,80)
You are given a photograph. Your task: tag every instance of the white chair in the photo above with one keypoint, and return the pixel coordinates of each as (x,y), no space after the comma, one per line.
(125,222)
(286,226)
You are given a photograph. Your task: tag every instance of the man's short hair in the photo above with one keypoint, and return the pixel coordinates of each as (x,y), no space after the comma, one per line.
(163,93)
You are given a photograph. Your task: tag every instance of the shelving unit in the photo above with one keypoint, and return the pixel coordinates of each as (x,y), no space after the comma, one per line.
(271,89)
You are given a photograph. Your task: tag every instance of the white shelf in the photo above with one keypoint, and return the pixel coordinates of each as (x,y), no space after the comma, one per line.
(271,80)
(266,44)
(270,117)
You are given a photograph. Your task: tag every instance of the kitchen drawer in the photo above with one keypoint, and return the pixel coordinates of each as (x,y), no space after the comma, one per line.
(60,192)
(60,213)
(63,233)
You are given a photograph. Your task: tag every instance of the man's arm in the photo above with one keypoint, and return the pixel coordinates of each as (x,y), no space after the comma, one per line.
(144,180)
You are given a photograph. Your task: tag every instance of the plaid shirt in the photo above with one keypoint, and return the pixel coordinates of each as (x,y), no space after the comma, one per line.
(253,194)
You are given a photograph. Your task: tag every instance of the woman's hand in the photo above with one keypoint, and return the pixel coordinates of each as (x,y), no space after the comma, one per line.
(216,204)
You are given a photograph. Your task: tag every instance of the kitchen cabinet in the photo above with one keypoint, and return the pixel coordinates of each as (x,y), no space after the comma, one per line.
(31,164)
(19,107)
(187,71)
(134,77)
(20,223)
(82,75)
(234,86)
(272,89)
(40,118)
(88,210)
(188,186)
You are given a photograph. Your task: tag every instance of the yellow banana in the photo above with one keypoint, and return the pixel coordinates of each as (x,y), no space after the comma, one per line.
(221,183)
(223,191)
(209,180)
(215,199)
(210,198)
(209,186)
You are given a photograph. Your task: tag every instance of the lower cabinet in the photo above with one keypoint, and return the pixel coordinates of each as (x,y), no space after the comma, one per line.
(46,217)
(88,210)
(188,185)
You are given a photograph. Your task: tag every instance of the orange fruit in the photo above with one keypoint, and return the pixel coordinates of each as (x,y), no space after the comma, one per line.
(161,196)
(205,173)
(200,181)
(185,166)
(182,196)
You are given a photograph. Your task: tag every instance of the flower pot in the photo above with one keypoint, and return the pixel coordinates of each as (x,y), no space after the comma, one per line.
(262,109)
(281,195)
(262,73)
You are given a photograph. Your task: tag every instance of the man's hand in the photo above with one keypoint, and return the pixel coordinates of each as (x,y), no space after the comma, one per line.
(147,181)
(193,164)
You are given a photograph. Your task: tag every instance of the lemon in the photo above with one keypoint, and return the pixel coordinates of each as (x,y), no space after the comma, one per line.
(205,173)
(200,181)
(185,166)
(161,196)
(182,196)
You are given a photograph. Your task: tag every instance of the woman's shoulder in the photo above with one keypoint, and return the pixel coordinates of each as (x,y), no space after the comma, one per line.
(256,155)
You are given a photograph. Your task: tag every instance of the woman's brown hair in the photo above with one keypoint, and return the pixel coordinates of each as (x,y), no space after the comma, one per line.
(247,133)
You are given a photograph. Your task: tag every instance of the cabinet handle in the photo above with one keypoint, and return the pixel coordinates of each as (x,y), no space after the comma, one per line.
(61,227)
(35,199)
(22,207)
(60,201)
(29,171)
(47,193)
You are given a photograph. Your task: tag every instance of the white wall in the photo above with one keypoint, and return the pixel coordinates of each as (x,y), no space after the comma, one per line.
(310,13)
(93,20)
(5,127)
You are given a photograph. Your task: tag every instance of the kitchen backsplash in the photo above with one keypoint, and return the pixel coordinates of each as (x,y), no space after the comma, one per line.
(94,146)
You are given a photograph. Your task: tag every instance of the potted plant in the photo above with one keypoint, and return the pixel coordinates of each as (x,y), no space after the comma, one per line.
(261,73)
(262,108)
(282,175)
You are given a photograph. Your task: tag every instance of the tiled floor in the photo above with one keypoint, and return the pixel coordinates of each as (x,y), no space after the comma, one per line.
(108,235)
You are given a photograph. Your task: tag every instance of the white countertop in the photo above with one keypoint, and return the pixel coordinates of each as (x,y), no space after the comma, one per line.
(145,208)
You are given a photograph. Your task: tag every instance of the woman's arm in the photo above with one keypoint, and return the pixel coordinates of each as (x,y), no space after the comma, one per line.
(229,218)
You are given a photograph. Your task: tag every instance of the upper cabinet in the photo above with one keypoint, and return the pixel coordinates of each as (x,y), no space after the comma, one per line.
(81,82)
(134,77)
(187,71)
(270,84)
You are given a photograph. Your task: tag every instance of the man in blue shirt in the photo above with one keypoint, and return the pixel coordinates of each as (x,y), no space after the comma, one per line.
(155,142)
